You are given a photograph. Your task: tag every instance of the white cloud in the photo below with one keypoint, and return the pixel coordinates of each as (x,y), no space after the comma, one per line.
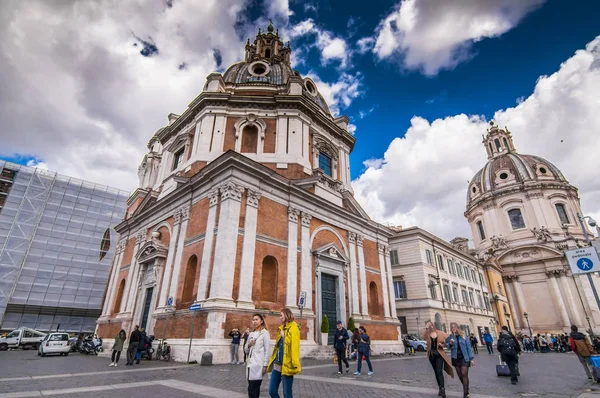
(430,35)
(365,44)
(79,95)
(339,94)
(331,47)
(423,177)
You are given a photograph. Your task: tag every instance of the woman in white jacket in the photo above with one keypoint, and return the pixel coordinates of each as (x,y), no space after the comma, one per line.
(258,349)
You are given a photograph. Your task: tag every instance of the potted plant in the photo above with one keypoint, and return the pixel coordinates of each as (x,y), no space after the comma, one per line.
(324,330)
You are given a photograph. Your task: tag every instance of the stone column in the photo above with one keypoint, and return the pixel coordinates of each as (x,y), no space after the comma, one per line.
(221,285)
(132,279)
(165,286)
(384,282)
(520,300)
(249,244)
(306,263)
(182,216)
(558,300)
(292,258)
(571,299)
(355,305)
(392,302)
(209,236)
(118,259)
(512,301)
(364,310)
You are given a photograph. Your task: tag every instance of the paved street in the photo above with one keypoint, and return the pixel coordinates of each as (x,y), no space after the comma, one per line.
(24,374)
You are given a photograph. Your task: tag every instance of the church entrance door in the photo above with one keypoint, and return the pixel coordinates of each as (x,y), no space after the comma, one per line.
(146,308)
(329,302)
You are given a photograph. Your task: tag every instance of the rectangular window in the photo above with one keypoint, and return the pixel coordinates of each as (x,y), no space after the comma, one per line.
(429,257)
(562,213)
(440,262)
(451,267)
(325,163)
(467,274)
(455,293)
(486,301)
(471,299)
(394,257)
(516,219)
(432,289)
(480,230)
(177,159)
(400,289)
(481,279)
(447,292)
(460,270)
(474,276)
(479,300)
(465,298)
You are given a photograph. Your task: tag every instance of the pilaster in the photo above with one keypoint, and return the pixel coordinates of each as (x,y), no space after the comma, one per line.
(558,300)
(364,308)
(209,236)
(354,305)
(132,278)
(384,282)
(292,258)
(571,300)
(248,252)
(165,286)
(392,301)
(306,277)
(118,259)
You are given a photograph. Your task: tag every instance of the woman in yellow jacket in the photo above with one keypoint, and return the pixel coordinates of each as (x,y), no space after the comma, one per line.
(285,360)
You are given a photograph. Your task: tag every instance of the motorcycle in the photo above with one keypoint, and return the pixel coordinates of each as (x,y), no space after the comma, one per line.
(164,350)
(146,350)
(97,342)
(87,347)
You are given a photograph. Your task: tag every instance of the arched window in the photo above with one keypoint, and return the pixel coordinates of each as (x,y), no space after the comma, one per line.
(516,219)
(480,230)
(268,281)
(249,139)
(498,146)
(189,280)
(505,142)
(491,148)
(119,298)
(267,53)
(325,163)
(441,261)
(438,321)
(429,256)
(374,299)
(562,213)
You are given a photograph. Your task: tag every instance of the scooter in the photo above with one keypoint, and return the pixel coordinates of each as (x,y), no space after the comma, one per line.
(164,350)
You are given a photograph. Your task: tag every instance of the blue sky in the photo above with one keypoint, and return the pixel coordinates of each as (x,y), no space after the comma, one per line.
(419,80)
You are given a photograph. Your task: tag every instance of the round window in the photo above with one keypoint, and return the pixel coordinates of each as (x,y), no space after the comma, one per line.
(503,176)
(543,170)
(310,87)
(259,69)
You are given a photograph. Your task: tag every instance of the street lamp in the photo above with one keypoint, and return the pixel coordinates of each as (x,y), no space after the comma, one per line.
(526,315)
(592,223)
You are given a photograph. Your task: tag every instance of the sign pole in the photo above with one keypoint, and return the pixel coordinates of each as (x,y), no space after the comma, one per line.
(589,242)
(191,336)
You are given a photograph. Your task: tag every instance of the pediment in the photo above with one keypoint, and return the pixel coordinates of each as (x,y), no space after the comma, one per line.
(332,252)
(528,253)
(353,206)
(152,250)
(148,201)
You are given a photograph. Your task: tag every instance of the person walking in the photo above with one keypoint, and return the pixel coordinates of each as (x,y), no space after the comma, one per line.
(462,355)
(340,341)
(583,348)
(236,336)
(437,357)
(488,340)
(141,345)
(509,350)
(474,343)
(364,351)
(543,344)
(245,341)
(257,348)
(285,359)
(118,347)
(355,343)
(134,341)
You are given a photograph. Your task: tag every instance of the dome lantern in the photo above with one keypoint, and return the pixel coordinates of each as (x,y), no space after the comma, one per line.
(268,47)
(497,141)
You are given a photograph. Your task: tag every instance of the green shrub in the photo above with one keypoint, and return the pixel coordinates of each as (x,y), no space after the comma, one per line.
(325,325)
(351,325)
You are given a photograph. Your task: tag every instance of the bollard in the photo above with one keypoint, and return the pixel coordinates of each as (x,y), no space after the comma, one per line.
(207,359)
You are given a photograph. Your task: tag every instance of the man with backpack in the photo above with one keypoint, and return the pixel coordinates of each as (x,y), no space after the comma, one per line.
(582,347)
(509,350)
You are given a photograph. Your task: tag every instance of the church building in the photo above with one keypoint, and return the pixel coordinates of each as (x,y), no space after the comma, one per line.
(524,215)
(245,205)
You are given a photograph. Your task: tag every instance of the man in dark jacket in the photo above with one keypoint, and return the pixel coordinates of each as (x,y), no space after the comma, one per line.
(582,347)
(141,345)
(339,343)
(134,340)
(509,350)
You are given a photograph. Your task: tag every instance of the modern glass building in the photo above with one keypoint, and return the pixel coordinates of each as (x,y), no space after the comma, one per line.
(52,274)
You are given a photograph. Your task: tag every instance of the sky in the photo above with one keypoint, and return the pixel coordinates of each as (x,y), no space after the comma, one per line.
(85,84)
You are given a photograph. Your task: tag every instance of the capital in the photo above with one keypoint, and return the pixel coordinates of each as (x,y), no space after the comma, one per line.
(213,197)
(293,214)
(306,219)
(359,239)
(352,237)
(231,190)
(252,197)
(140,237)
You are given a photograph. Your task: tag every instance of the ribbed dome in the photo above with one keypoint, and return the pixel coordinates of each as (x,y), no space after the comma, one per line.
(243,72)
(511,169)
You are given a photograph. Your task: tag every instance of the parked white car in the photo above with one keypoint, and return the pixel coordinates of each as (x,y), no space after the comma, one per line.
(22,337)
(416,343)
(55,343)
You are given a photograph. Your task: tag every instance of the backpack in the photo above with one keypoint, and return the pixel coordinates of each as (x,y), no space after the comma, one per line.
(507,346)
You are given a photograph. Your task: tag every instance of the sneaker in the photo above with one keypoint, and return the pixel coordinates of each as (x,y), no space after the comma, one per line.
(347,370)
(111,364)
(115,365)
(370,373)
(233,362)
(339,373)
(357,373)
(513,382)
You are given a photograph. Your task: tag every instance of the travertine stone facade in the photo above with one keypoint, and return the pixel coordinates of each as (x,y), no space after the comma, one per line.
(523,216)
(245,202)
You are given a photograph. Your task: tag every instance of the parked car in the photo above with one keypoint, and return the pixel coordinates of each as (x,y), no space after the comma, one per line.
(417,343)
(55,343)
(22,337)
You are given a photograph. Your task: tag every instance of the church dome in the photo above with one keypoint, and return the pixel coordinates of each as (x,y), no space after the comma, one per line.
(507,170)
(258,72)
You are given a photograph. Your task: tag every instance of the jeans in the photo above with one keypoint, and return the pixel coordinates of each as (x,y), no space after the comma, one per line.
(254,388)
(276,379)
(360,355)
(341,357)
(115,356)
(489,347)
(131,352)
(437,363)
(586,363)
(513,364)
(234,353)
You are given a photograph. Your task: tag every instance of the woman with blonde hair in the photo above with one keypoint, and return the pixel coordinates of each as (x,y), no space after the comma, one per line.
(257,348)
(462,355)
(285,360)
(437,357)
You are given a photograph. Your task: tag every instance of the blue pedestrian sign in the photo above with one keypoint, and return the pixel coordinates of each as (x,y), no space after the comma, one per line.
(170,302)
(584,260)
(195,307)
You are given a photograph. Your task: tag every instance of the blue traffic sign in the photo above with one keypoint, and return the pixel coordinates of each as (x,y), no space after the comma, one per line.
(170,301)
(585,264)
(195,307)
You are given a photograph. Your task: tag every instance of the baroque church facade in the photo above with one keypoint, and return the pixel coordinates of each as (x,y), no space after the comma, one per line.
(244,205)
(524,215)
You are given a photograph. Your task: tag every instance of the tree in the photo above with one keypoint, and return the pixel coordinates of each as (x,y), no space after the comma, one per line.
(351,325)
(325,325)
